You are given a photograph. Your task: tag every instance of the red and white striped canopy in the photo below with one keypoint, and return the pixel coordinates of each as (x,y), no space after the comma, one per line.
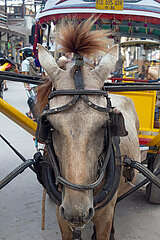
(137,10)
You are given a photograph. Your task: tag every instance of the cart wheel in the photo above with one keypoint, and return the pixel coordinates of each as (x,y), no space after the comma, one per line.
(152,191)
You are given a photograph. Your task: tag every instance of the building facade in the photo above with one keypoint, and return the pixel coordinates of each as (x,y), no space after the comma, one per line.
(16,20)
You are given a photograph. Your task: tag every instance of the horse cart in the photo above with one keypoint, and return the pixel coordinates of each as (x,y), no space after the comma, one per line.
(91,135)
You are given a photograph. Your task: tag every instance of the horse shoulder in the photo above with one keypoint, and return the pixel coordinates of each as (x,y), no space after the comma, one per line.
(129,145)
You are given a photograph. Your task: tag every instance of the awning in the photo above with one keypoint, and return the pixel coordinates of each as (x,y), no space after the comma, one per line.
(148,44)
(137,10)
(6,29)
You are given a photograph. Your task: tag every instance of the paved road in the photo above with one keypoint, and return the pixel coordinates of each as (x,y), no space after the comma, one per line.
(20,200)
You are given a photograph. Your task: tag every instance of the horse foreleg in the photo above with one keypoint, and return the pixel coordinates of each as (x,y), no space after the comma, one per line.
(64,228)
(112,231)
(103,221)
(94,236)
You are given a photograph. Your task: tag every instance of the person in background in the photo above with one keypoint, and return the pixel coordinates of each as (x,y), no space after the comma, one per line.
(15,65)
(30,88)
(5,85)
(20,64)
(64,59)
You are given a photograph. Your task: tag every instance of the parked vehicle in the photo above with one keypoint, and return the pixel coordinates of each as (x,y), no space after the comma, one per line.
(6,65)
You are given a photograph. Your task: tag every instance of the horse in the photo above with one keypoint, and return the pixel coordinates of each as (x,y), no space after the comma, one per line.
(149,72)
(82,146)
(152,73)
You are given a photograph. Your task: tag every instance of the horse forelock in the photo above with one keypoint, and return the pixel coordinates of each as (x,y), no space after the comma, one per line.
(79,39)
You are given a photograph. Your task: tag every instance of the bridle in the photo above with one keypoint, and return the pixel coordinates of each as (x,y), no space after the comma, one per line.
(110,165)
(79,92)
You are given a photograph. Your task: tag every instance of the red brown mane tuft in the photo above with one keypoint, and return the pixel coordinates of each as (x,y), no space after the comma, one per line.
(78,38)
(42,96)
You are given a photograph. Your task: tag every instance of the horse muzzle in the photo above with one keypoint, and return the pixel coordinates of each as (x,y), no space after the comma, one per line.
(76,215)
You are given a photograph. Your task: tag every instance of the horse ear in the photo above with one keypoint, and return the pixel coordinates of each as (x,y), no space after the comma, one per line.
(107,63)
(47,61)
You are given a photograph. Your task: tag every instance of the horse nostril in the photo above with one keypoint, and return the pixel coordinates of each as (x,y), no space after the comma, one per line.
(61,210)
(76,218)
(83,219)
(91,214)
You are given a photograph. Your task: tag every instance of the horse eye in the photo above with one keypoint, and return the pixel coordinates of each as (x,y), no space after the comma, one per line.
(104,125)
(54,130)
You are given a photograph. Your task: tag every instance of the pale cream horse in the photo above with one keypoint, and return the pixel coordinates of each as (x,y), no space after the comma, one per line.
(149,72)
(152,72)
(78,137)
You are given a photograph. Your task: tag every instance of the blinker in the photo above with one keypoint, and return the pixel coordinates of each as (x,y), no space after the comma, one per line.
(117,124)
(43,128)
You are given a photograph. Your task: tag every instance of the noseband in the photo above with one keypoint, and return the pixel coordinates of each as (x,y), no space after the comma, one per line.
(109,166)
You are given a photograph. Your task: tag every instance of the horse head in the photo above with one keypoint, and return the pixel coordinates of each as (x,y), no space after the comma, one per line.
(78,135)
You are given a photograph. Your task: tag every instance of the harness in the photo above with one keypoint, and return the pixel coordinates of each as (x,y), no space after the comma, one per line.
(109,166)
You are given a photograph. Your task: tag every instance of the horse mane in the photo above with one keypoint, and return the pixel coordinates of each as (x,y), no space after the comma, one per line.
(42,95)
(79,39)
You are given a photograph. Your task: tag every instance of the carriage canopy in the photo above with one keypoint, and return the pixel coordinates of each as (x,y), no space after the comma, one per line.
(139,18)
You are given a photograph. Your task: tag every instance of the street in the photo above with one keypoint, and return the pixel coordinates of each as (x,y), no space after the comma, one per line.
(21,199)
